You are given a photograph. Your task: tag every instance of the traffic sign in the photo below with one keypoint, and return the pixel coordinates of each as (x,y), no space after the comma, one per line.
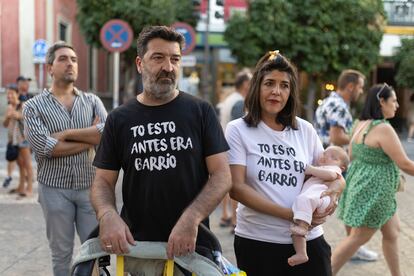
(189,35)
(188,61)
(116,35)
(39,51)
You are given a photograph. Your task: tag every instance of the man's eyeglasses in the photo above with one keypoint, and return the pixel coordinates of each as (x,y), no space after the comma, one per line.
(382,88)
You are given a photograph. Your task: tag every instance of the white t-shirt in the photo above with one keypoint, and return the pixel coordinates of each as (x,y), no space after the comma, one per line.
(226,106)
(275,167)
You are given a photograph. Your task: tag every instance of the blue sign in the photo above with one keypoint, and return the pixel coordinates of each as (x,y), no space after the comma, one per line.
(39,51)
(116,35)
(189,36)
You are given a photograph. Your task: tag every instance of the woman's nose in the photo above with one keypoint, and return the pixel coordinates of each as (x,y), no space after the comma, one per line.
(276,90)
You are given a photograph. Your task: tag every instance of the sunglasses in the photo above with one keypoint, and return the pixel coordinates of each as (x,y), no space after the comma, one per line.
(382,89)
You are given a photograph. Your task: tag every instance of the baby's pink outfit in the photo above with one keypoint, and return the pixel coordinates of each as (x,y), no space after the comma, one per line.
(310,199)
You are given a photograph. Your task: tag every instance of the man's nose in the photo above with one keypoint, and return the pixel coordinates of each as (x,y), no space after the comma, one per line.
(71,62)
(167,65)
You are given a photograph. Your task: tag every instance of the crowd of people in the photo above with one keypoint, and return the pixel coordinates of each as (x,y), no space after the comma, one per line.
(180,159)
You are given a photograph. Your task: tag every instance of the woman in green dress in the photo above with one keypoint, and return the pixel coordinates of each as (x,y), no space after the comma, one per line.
(368,202)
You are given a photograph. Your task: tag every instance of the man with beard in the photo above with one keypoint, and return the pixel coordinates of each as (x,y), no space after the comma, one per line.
(333,122)
(173,153)
(333,119)
(63,125)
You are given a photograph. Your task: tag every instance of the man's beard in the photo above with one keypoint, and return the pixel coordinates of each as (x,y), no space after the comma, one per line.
(158,87)
(67,78)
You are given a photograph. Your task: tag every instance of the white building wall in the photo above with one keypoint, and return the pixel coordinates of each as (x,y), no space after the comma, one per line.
(26,37)
(49,21)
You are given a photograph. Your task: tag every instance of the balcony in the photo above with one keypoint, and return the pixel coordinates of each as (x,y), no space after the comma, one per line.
(400,12)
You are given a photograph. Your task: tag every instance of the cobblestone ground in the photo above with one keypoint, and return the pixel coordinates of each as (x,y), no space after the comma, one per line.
(24,249)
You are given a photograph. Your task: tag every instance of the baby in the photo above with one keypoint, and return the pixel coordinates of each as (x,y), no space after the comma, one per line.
(332,163)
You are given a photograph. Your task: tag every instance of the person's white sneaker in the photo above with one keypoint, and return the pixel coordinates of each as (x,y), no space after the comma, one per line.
(364,254)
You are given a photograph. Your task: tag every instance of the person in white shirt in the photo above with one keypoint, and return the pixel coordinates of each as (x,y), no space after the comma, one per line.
(269,150)
(230,109)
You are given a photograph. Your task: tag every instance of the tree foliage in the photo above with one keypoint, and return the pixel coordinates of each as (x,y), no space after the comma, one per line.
(404,60)
(321,37)
(93,14)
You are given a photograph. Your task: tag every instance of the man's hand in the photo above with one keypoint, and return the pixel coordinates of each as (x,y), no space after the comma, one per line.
(182,239)
(114,234)
(61,135)
(96,121)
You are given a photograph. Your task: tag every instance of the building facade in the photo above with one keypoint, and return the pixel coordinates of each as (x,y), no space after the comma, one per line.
(22,22)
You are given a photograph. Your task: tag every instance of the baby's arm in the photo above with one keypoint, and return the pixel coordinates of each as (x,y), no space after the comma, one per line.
(322,173)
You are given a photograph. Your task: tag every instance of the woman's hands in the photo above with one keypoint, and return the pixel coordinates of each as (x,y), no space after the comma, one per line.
(334,191)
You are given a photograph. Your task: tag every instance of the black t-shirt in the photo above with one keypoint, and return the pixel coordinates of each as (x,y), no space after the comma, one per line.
(162,150)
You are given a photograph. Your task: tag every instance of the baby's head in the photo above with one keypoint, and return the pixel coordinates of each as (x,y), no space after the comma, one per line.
(334,155)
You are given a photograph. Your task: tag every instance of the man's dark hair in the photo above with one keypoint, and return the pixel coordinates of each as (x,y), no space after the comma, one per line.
(349,76)
(287,116)
(50,55)
(241,77)
(151,32)
(372,107)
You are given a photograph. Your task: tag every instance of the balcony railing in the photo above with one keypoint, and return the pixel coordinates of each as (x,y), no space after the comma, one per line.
(400,12)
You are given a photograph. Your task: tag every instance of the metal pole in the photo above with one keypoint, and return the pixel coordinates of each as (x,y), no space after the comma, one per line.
(116,81)
(41,76)
(206,68)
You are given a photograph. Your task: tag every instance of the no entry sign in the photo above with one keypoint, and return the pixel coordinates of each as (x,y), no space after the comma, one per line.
(116,35)
(189,35)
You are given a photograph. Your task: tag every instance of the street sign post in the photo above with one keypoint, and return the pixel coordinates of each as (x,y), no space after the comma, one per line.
(40,48)
(189,35)
(116,36)
(188,61)
(39,51)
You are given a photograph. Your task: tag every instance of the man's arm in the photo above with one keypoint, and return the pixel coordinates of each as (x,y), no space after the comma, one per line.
(88,135)
(64,148)
(114,234)
(183,236)
(337,136)
(42,143)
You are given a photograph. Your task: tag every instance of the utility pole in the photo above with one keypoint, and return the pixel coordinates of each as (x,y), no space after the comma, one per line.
(206,69)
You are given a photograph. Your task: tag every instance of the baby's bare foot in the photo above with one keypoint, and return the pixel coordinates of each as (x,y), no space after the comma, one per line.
(297,259)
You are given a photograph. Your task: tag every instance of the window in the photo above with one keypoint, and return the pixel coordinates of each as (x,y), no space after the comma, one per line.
(63,29)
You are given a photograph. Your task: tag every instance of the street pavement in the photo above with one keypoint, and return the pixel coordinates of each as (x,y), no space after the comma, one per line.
(24,248)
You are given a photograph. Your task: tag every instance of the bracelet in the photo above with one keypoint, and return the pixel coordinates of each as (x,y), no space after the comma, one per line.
(100,217)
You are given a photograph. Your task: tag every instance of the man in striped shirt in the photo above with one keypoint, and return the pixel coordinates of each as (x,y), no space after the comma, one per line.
(63,125)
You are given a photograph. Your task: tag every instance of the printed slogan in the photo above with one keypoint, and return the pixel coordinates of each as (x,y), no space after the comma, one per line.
(161,148)
(276,169)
